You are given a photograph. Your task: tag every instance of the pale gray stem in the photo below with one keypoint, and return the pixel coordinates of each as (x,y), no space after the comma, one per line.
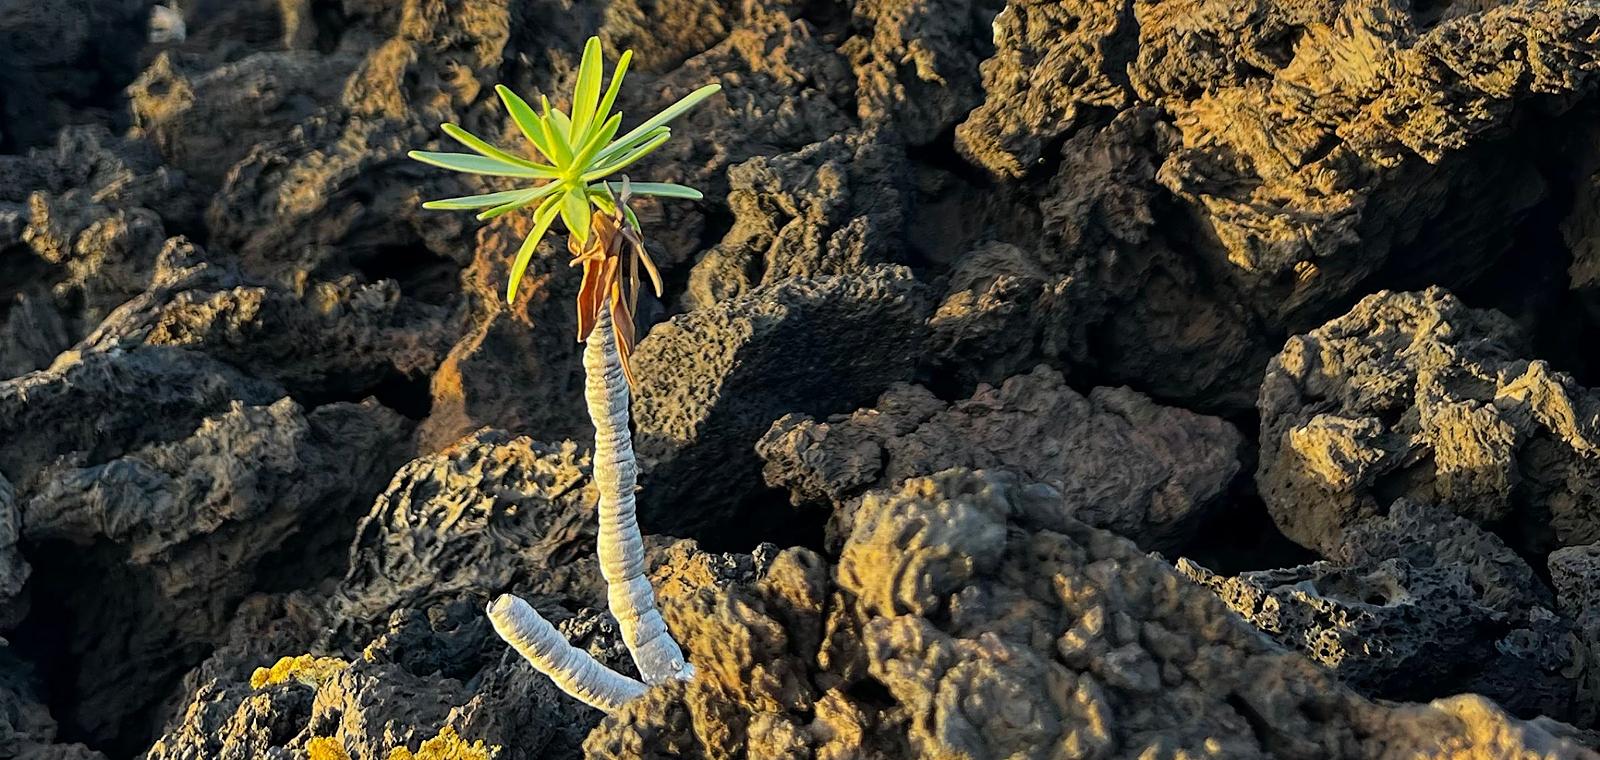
(632,600)
(571,668)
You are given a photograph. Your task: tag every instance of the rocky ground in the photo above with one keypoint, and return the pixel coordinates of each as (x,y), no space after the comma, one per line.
(1039,379)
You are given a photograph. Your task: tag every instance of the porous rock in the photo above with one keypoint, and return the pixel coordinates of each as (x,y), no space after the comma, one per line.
(322,339)
(178,532)
(1421,604)
(916,62)
(14,568)
(714,379)
(516,367)
(1317,144)
(834,207)
(1417,395)
(1120,461)
(988,623)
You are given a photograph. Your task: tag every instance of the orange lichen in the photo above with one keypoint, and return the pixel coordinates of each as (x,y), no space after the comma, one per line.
(306,669)
(448,745)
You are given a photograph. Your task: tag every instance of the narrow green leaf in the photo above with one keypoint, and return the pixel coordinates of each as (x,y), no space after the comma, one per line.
(526,120)
(597,140)
(602,200)
(587,92)
(523,198)
(469,202)
(575,212)
(560,119)
(660,190)
(627,160)
(673,111)
(474,164)
(633,218)
(619,148)
(555,134)
(542,219)
(482,146)
(610,99)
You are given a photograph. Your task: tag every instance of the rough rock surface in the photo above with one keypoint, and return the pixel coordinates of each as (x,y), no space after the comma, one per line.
(713,380)
(966,590)
(402,650)
(835,207)
(1120,462)
(1417,395)
(14,568)
(1317,141)
(225,324)
(179,532)
(1421,602)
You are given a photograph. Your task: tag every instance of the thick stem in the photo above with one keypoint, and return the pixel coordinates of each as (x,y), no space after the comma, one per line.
(632,600)
(571,668)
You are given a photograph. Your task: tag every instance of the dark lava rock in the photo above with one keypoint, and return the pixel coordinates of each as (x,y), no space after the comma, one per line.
(1421,604)
(1119,461)
(969,617)
(713,380)
(1414,394)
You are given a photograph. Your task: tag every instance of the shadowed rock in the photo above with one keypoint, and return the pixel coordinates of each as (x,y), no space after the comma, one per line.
(1421,604)
(968,617)
(179,532)
(1414,394)
(1120,461)
(835,207)
(713,380)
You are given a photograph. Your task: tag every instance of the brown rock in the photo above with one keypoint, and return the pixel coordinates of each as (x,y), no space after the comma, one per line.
(835,207)
(993,625)
(178,532)
(713,380)
(1120,461)
(1413,394)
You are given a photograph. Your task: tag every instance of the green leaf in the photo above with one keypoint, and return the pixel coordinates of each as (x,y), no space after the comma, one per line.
(610,98)
(474,164)
(526,120)
(479,144)
(660,190)
(619,147)
(633,218)
(673,111)
(523,198)
(600,137)
(575,212)
(555,135)
(602,200)
(469,202)
(542,219)
(626,161)
(587,93)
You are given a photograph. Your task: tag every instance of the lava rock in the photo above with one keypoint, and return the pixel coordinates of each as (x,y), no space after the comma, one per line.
(835,207)
(968,616)
(179,532)
(1423,591)
(1414,394)
(713,380)
(1120,461)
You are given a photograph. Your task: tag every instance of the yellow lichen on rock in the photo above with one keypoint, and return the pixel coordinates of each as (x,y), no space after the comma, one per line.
(307,669)
(448,745)
(325,747)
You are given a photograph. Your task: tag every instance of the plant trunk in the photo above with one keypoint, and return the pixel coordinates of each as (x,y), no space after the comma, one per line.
(621,549)
(571,668)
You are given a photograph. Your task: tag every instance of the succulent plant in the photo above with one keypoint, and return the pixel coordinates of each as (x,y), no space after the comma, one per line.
(579,151)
